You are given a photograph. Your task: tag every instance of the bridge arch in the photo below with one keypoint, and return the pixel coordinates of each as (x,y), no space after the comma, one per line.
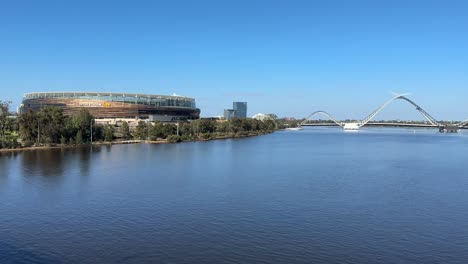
(363,122)
(462,124)
(426,115)
(341,124)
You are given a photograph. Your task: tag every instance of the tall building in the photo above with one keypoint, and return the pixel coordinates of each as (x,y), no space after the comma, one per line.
(240,108)
(229,114)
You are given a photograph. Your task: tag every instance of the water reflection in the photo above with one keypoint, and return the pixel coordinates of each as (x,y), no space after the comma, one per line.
(6,161)
(47,163)
(55,163)
(84,159)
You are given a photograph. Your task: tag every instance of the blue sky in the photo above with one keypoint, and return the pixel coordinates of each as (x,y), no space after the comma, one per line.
(285,57)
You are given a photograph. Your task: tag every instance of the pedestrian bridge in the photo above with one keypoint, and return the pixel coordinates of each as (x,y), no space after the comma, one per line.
(358,124)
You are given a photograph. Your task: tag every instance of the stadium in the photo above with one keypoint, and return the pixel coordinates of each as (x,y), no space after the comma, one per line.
(116,105)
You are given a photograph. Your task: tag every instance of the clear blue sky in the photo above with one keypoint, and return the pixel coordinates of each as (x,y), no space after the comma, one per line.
(284,57)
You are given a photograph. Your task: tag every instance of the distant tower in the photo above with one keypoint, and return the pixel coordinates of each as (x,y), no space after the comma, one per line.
(240,108)
(229,114)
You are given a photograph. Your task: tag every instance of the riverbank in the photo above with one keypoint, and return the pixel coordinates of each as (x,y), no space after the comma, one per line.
(135,141)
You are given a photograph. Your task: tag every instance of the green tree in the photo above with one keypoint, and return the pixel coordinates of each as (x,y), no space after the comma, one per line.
(125,130)
(273,116)
(28,127)
(79,138)
(52,123)
(156,131)
(81,122)
(140,131)
(236,125)
(185,131)
(160,130)
(223,127)
(269,125)
(5,120)
(108,133)
(246,124)
(169,130)
(203,126)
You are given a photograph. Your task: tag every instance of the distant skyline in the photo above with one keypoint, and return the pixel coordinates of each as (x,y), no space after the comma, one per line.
(284,57)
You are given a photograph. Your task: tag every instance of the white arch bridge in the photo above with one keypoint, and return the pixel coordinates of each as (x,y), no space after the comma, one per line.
(358,124)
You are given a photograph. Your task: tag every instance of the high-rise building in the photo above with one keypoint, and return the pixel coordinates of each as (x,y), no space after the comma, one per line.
(229,114)
(240,108)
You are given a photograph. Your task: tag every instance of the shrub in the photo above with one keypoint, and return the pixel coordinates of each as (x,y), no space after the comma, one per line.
(173,138)
(186,137)
(206,136)
(28,143)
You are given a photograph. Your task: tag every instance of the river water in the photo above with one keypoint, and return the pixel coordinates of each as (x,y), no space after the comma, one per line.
(319,195)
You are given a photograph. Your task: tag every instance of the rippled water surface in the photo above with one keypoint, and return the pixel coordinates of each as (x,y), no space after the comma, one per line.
(311,196)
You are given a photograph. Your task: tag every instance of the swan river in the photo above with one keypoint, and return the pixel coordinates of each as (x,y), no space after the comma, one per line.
(319,195)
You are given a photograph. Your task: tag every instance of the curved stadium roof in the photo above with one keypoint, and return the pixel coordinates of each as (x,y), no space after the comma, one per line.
(174,100)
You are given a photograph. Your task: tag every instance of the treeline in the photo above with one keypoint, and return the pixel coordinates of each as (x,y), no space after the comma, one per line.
(8,127)
(203,129)
(50,126)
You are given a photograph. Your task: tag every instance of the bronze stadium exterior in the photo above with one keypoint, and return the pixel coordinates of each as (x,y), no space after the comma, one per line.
(115,105)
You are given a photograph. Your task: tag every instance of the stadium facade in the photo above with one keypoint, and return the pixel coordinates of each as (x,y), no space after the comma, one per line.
(116,105)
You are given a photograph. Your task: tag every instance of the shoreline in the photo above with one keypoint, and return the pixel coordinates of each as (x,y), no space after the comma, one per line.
(122,142)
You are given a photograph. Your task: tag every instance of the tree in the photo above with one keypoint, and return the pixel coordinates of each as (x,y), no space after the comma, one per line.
(125,130)
(236,125)
(273,116)
(204,126)
(140,131)
(28,127)
(223,127)
(270,125)
(185,131)
(81,122)
(156,131)
(169,129)
(246,124)
(160,130)
(52,123)
(5,120)
(108,133)
(79,138)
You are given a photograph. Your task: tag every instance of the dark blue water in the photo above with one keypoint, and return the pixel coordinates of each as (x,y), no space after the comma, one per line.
(311,196)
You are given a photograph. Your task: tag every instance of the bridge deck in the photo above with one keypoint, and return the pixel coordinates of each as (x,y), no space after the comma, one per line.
(379,124)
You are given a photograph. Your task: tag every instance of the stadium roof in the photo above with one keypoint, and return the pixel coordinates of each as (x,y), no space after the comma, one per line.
(82,93)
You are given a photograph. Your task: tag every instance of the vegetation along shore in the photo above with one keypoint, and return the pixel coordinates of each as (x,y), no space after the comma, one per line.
(49,128)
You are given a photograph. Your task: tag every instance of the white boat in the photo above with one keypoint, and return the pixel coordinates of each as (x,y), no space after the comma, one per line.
(294,128)
(351,126)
